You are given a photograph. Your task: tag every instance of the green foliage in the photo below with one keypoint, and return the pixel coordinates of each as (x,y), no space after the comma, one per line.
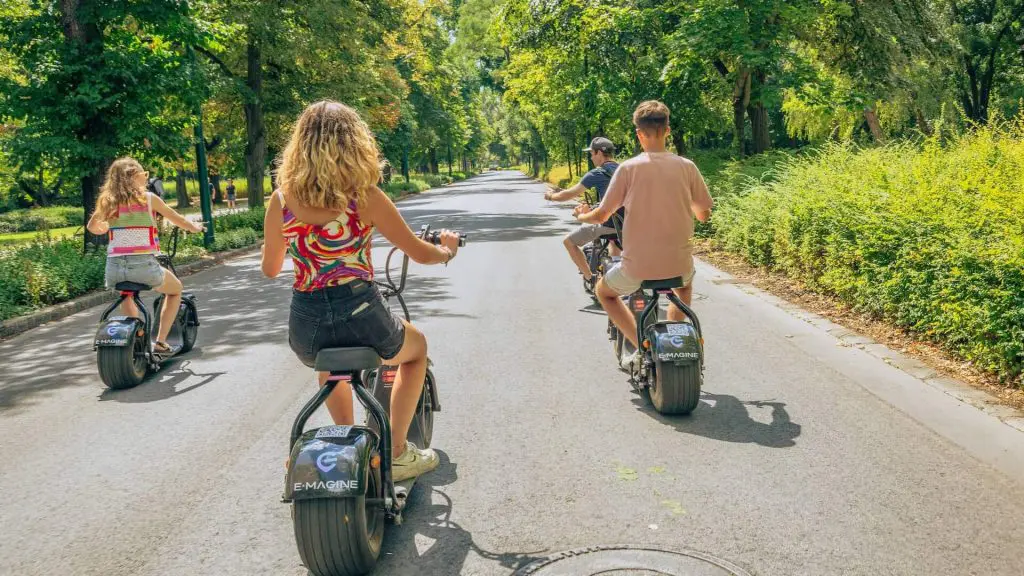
(41,274)
(40,219)
(928,237)
(400,187)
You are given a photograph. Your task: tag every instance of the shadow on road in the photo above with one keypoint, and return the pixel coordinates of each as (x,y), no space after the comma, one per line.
(429,541)
(173,380)
(726,418)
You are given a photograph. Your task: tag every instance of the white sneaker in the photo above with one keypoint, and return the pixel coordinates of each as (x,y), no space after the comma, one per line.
(630,362)
(413,462)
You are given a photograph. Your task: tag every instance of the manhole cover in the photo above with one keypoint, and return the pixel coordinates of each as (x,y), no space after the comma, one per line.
(623,560)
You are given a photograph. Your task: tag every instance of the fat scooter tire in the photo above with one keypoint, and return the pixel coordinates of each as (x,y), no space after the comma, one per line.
(675,389)
(339,536)
(189,329)
(122,367)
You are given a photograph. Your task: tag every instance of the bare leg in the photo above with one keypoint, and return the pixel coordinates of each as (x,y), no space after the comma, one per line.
(129,309)
(339,403)
(412,370)
(617,311)
(578,258)
(686,295)
(172,289)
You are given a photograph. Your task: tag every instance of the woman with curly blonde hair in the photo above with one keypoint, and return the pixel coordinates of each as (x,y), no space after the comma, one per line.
(125,211)
(323,216)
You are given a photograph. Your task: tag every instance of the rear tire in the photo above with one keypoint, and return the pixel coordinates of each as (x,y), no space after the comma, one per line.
(122,367)
(339,536)
(675,389)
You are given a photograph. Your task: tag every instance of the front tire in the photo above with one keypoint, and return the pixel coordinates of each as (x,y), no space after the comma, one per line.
(340,536)
(189,329)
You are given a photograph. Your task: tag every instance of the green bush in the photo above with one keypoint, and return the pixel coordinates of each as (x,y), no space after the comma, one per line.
(398,187)
(928,237)
(237,238)
(36,219)
(41,274)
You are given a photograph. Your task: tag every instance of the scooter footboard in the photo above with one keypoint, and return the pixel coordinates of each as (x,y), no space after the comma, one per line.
(330,462)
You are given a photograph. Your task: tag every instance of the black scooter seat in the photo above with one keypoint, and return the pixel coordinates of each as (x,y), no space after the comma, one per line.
(346,360)
(132,287)
(666,284)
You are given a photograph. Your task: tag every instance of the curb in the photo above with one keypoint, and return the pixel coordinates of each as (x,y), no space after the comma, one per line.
(15,326)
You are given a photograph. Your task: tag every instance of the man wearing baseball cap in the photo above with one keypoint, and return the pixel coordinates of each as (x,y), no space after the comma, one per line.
(602,152)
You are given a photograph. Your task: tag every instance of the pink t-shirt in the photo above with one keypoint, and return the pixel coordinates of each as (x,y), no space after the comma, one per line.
(660,192)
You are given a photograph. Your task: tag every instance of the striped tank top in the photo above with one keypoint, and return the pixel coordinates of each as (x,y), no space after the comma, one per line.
(329,255)
(134,230)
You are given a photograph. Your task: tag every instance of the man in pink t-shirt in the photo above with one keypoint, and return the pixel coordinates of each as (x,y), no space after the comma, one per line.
(661,193)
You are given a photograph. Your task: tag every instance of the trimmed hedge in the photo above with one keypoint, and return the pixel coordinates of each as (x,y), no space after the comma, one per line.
(37,219)
(929,237)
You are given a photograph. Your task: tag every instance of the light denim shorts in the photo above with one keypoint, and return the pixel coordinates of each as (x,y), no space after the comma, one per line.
(138,268)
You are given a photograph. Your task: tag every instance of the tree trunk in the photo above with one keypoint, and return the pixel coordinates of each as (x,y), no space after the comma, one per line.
(91,184)
(433,160)
(255,128)
(759,127)
(405,163)
(449,159)
(679,141)
(871,116)
(218,198)
(181,189)
(740,100)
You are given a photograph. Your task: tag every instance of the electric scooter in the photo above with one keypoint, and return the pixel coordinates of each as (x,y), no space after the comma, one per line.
(339,480)
(123,345)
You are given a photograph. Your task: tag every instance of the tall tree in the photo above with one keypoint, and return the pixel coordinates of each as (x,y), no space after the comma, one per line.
(96,79)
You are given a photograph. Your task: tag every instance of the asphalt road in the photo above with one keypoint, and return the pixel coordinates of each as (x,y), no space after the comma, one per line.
(804,457)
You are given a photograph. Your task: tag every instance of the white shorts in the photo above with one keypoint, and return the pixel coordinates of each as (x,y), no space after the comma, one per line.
(623,284)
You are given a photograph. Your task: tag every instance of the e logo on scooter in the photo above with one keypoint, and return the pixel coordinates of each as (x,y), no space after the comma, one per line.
(327,461)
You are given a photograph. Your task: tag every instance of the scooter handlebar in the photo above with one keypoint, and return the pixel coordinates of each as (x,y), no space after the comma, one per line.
(434,237)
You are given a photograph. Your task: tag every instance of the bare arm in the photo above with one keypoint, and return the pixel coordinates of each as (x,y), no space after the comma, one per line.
(171,214)
(274,245)
(567,194)
(382,213)
(701,201)
(98,224)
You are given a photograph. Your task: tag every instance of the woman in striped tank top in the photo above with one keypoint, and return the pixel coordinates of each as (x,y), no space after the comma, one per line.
(324,216)
(124,211)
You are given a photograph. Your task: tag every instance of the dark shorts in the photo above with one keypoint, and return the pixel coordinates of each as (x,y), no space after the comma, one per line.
(343,316)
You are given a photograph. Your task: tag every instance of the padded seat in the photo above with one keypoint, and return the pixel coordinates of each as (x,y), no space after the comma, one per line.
(346,360)
(132,287)
(666,284)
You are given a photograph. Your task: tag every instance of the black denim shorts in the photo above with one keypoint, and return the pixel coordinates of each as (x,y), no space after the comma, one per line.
(354,314)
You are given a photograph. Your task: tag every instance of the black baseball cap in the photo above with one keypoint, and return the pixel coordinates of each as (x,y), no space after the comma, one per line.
(602,144)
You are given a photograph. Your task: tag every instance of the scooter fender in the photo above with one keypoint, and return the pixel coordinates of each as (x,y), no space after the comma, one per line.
(117,331)
(330,462)
(675,342)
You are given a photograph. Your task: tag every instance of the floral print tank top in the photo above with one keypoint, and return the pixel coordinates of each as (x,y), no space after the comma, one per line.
(329,255)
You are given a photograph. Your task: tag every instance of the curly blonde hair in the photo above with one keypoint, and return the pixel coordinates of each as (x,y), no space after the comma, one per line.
(331,158)
(119,188)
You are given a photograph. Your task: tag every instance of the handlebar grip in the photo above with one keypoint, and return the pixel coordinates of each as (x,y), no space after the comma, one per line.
(435,238)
